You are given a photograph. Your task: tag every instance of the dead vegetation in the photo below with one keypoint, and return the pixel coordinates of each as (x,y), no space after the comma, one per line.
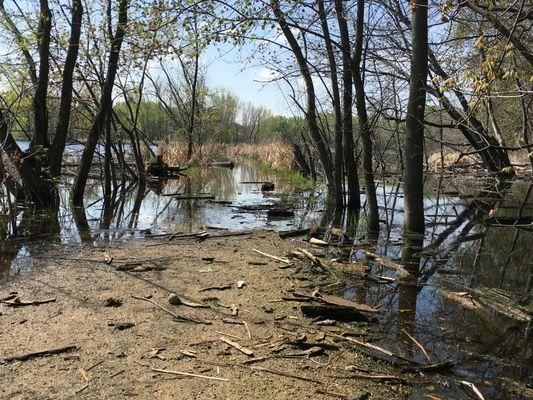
(276,154)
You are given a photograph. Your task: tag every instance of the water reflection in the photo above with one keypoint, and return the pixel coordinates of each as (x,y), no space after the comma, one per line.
(477,242)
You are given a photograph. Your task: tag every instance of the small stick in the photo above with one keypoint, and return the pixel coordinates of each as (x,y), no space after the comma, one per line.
(474,389)
(237,346)
(284,373)
(19,303)
(118,373)
(247,329)
(94,365)
(176,316)
(82,388)
(229,334)
(166,371)
(43,353)
(419,345)
(283,260)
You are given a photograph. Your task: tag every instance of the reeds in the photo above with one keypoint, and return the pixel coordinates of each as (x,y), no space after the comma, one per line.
(276,154)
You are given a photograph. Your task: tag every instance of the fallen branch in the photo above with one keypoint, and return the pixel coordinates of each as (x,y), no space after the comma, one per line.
(166,371)
(283,260)
(237,346)
(42,353)
(19,303)
(293,233)
(286,374)
(380,377)
(176,316)
(371,346)
(400,269)
(419,345)
(473,388)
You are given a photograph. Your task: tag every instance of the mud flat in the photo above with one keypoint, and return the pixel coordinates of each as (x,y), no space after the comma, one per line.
(99,324)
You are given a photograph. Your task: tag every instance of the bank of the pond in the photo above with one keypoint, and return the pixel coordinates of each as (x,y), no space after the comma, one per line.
(112,307)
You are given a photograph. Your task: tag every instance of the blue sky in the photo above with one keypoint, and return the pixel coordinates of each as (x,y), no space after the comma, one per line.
(228,68)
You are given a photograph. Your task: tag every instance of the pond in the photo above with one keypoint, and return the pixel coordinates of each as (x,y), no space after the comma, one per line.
(477,242)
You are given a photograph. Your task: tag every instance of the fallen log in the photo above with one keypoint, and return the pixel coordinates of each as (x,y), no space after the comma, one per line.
(223,164)
(337,313)
(293,233)
(400,269)
(280,213)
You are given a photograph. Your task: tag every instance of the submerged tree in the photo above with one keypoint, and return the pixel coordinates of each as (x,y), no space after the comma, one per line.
(414,139)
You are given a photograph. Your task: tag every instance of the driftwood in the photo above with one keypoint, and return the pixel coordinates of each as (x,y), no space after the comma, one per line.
(178,317)
(42,353)
(219,287)
(283,260)
(19,303)
(237,346)
(380,377)
(337,313)
(339,301)
(318,242)
(286,374)
(223,164)
(188,374)
(335,301)
(195,197)
(400,269)
(280,212)
(293,233)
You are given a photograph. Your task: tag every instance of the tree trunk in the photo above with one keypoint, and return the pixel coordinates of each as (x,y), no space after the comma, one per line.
(40,137)
(104,108)
(37,190)
(350,165)
(65,107)
(414,140)
(311,112)
(339,181)
(364,124)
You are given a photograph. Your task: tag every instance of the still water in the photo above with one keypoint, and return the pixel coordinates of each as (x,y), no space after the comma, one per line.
(477,246)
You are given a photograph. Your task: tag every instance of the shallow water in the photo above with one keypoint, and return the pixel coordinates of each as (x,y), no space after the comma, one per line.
(483,252)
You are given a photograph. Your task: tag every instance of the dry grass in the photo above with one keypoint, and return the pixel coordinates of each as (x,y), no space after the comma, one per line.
(276,154)
(175,153)
(450,159)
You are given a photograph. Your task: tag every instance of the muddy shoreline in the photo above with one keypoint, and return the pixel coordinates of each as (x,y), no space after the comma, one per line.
(95,301)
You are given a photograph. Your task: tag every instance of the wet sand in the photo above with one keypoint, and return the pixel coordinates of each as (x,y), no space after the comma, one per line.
(98,303)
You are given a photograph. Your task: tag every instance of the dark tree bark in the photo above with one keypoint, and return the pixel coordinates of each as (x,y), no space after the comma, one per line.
(360,103)
(414,138)
(104,107)
(40,137)
(37,189)
(354,201)
(311,111)
(494,157)
(335,94)
(65,107)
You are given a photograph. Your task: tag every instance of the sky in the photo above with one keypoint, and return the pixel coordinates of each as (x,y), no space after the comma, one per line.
(227,68)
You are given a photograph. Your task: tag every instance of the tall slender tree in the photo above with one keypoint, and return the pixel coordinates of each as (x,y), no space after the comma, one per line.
(414,138)
(104,108)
